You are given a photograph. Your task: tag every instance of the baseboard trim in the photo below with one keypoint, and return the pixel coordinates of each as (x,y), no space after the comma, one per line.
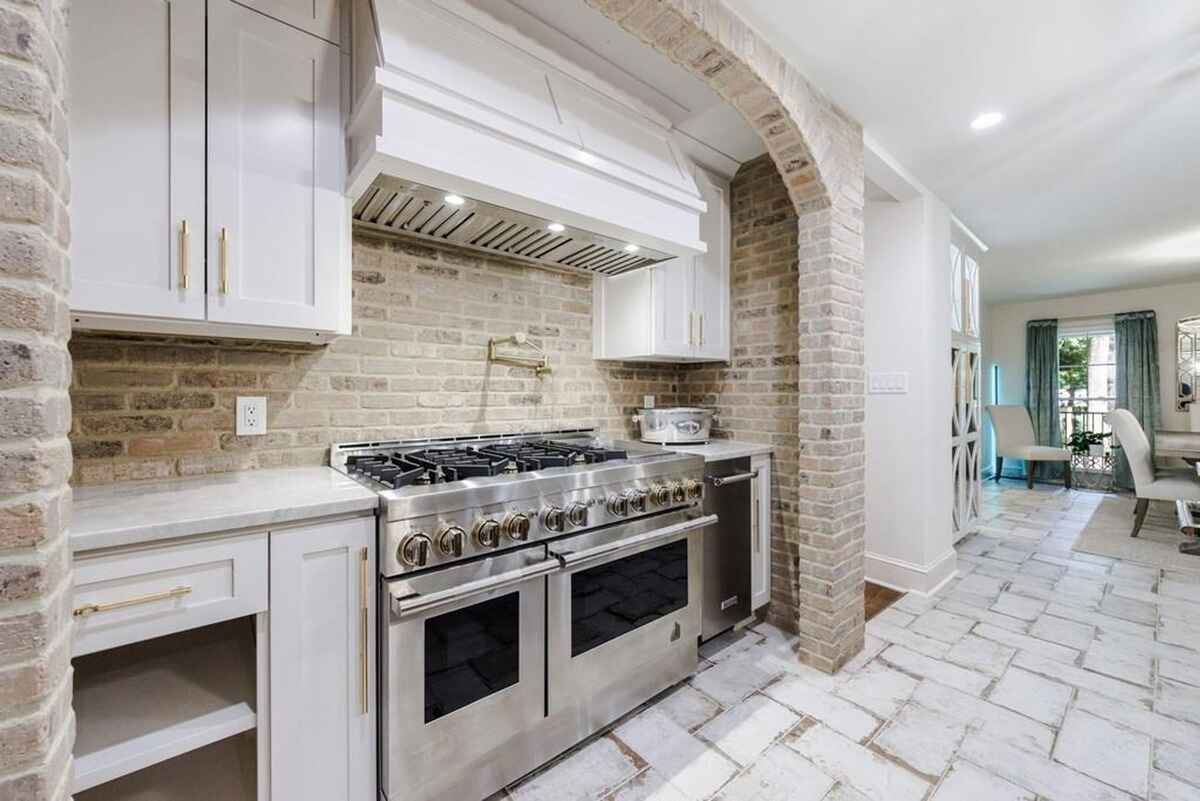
(897,574)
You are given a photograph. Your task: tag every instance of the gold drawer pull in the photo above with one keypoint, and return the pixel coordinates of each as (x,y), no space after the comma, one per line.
(184,234)
(224,278)
(364,631)
(91,609)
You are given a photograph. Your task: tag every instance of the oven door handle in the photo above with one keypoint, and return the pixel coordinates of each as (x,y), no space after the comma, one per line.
(613,550)
(722,481)
(406,605)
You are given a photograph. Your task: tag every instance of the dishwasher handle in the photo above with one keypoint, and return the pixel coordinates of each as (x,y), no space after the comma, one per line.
(721,481)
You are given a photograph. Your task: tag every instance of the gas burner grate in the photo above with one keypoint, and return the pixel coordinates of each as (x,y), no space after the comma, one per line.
(453,464)
(540,454)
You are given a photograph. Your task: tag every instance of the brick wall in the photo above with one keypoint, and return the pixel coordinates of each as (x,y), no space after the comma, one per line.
(756,394)
(36,724)
(415,366)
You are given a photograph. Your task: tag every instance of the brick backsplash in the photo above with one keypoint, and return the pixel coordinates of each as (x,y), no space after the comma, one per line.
(415,366)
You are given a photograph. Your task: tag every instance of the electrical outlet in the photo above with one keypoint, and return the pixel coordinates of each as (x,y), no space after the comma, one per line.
(880,383)
(647,401)
(251,417)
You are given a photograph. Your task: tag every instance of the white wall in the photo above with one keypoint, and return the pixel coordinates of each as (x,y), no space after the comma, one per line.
(907,329)
(1004,339)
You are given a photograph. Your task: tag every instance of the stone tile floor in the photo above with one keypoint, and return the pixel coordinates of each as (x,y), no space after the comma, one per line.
(1037,674)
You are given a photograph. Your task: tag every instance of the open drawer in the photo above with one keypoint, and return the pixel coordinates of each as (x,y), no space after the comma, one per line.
(131,595)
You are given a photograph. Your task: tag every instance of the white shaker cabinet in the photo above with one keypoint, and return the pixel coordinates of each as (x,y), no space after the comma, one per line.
(208,170)
(275,172)
(137,157)
(322,674)
(674,311)
(760,517)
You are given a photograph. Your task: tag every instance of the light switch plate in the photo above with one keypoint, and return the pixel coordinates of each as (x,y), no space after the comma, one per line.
(647,401)
(887,383)
(251,416)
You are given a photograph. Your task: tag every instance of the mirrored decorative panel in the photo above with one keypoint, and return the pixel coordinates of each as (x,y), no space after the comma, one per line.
(1187,362)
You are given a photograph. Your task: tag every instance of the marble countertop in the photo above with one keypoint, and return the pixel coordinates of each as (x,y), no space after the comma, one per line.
(716,449)
(137,512)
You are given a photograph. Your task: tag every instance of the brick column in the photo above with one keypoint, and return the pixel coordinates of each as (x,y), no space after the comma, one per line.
(817,591)
(36,723)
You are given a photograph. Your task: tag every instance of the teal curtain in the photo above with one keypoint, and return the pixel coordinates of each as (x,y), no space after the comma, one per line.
(1137,379)
(1041,388)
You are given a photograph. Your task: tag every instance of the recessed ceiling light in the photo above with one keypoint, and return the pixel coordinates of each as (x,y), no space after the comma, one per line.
(454,200)
(987,120)
(631,248)
(557,228)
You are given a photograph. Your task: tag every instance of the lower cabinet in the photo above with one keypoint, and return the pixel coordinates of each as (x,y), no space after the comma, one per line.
(322,646)
(760,516)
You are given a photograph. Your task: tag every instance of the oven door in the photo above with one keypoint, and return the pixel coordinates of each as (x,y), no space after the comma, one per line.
(463,672)
(623,616)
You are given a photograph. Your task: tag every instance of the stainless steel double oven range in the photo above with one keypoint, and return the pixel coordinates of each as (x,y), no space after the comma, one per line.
(534,588)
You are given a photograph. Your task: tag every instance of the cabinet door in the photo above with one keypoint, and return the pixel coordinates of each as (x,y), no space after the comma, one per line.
(318,17)
(712,272)
(674,319)
(137,157)
(760,551)
(276,172)
(322,645)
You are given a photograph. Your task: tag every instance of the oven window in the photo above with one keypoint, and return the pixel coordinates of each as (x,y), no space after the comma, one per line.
(470,653)
(618,597)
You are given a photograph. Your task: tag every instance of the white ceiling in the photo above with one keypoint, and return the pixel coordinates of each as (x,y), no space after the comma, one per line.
(1093,180)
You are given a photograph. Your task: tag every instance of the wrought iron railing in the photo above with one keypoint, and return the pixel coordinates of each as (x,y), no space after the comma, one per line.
(1072,420)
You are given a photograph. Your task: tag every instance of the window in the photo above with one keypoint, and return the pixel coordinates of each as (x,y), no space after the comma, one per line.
(1087,380)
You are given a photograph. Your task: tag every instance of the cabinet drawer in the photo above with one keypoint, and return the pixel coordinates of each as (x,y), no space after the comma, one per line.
(129,596)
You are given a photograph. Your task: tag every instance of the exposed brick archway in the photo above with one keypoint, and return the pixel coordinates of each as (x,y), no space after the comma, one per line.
(818,522)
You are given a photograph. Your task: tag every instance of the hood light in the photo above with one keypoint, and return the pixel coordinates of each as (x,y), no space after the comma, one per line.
(987,120)
(454,200)
(631,248)
(557,228)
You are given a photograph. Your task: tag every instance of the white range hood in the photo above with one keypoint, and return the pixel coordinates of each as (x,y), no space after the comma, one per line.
(451,102)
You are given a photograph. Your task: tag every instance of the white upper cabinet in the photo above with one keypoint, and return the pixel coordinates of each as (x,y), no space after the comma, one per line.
(711,291)
(275,172)
(318,17)
(148,253)
(137,157)
(676,311)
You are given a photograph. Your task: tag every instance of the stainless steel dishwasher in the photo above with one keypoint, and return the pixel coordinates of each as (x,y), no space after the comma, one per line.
(726,590)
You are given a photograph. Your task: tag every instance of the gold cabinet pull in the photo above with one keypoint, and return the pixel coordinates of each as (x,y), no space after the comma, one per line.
(364,631)
(701,329)
(184,234)
(91,609)
(691,328)
(224,246)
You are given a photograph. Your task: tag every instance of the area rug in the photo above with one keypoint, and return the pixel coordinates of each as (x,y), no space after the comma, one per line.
(1107,534)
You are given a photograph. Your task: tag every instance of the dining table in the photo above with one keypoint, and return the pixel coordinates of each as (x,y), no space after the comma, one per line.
(1183,445)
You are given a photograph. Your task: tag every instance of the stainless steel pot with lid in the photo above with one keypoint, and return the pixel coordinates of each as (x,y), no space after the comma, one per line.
(674,426)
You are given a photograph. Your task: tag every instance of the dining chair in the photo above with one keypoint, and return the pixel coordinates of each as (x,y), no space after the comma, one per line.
(1149,483)
(1015,440)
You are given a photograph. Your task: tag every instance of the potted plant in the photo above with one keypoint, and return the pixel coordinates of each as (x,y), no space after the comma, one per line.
(1088,443)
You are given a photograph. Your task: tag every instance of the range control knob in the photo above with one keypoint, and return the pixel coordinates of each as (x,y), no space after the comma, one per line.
(487,533)
(678,492)
(414,550)
(516,526)
(618,505)
(577,514)
(452,540)
(693,488)
(554,518)
(637,501)
(660,494)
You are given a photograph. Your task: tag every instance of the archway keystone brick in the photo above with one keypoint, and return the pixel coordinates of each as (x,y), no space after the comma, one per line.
(818,590)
